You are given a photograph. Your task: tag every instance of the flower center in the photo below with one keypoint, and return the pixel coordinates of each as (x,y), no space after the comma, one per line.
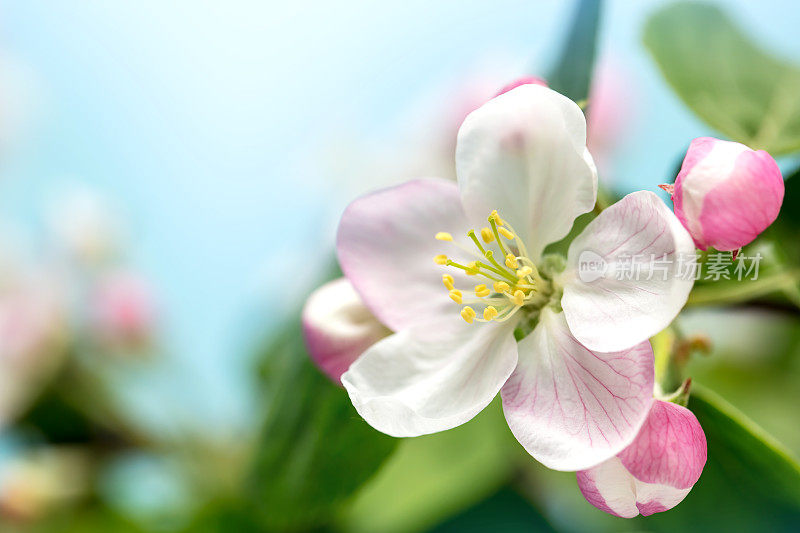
(506,287)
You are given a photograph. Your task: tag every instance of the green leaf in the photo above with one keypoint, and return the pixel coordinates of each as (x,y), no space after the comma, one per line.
(314,451)
(433,477)
(573,71)
(505,510)
(730,83)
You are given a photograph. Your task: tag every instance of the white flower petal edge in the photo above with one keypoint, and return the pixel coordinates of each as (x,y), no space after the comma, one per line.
(633,298)
(572,408)
(524,153)
(410,384)
(386,247)
(338,327)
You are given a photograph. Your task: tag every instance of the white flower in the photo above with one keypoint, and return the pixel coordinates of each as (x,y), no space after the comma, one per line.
(577,388)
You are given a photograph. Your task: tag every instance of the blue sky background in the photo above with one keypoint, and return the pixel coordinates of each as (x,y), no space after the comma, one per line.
(206,121)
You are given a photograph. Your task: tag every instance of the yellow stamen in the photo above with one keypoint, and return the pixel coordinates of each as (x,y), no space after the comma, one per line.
(440,259)
(518,298)
(494,216)
(468,314)
(486,235)
(524,271)
(511,261)
(444,236)
(489,313)
(506,233)
(472,268)
(501,286)
(481,291)
(448,281)
(455,295)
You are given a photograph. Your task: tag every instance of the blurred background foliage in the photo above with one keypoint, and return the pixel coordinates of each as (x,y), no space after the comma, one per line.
(89,440)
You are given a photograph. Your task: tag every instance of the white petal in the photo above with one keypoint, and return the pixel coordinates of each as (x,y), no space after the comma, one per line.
(338,327)
(638,282)
(386,247)
(572,408)
(611,488)
(524,154)
(407,385)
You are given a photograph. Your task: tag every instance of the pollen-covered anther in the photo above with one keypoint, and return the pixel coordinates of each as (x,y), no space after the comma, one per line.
(501,287)
(494,216)
(456,295)
(468,314)
(524,272)
(472,268)
(440,259)
(505,232)
(487,235)
(518,297)
(448,281)
(511,261)
(482,291)
(444,236)
(489,313)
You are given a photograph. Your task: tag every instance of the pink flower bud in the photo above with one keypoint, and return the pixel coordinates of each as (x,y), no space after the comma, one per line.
(525,80)
(657,470)
(338,327)
(123,310)
(726,193)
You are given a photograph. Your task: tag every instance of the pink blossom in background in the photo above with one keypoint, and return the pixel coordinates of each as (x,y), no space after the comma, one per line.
(656,471)
(123,310)
(338,327)
(726,194)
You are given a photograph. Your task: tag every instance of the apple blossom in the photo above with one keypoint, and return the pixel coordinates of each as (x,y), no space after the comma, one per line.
(338,327)
(726,194)
(654,473)
(122,310)
(577,388)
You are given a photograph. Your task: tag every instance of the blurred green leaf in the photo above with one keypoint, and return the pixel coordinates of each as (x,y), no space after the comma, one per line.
(730,83)
(572,74)
(433,477)
(506,510)
(314,450)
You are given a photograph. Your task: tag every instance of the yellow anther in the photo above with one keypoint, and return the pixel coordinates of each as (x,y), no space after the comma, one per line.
(505,232)
(494,216)
(524,271)
(481,291)
(501,286)
(472,268)
(440,259)
(444,236)
(448,281)
(455,295)
(468,314)
(511,261)
(518,298)
(489,313)
(487,235)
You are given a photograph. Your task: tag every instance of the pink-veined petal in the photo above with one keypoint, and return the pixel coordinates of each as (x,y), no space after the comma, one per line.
(570,407)
(628,274)
(338,327)
(656,471)
(386,247)
(412,383)
(524,154)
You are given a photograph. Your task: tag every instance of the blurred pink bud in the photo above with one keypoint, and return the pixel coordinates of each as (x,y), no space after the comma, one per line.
(123,313)
(526,80)
(657,470)
(726,193)
(338,327)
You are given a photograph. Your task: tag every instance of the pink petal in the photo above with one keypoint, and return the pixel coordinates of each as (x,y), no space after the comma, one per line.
(338,327)
(413,383)
(572,408)
(656,471)
(727,194)
(643,278)
(525,80)
(386,247)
